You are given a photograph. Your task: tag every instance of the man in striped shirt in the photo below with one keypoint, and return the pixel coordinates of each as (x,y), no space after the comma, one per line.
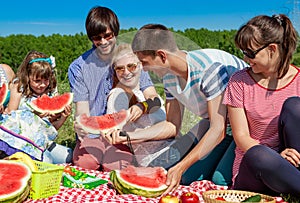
(195,80)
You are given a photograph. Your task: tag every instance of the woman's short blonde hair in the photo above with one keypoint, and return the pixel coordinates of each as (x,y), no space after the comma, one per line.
(121,51)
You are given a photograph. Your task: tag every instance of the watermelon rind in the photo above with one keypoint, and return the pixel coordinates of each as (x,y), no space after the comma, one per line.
(93,124)
(19,199)
(124,187)
(3,93)
(25,182)
(57,109)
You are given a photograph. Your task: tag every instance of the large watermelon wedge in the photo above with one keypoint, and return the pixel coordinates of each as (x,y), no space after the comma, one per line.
(3,93)
(101,124)
(143,181)
(14,180)
(52,105)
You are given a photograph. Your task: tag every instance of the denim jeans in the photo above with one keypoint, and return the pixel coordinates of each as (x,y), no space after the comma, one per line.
(58,154)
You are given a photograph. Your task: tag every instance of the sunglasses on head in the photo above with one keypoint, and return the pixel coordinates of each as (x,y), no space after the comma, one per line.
(106,36)
(251,54)
(130,67)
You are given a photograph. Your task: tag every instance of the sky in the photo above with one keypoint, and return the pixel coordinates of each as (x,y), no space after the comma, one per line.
(67,17)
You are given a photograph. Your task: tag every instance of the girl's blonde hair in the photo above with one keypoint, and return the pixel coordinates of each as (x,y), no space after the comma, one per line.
(39,69)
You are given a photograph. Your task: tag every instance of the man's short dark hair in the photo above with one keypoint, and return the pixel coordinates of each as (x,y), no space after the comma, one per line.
(152,37)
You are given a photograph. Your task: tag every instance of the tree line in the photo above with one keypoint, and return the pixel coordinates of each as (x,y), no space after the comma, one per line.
(66,48)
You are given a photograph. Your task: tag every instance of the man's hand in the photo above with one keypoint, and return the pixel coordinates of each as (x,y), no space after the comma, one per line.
(173,178)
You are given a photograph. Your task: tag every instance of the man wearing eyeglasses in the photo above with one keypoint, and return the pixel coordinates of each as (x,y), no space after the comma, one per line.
(90,78)
(195,80)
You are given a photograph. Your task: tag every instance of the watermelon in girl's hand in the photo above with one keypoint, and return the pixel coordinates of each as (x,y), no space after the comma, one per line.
(102,124)
(53,105)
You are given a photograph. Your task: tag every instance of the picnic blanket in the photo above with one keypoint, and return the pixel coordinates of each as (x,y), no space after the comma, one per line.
(106,192)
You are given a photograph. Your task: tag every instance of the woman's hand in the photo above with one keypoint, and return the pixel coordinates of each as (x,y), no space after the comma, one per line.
(135,112)
(292,155)
(113,137)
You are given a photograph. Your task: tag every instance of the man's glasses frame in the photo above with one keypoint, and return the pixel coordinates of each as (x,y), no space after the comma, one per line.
(106,36)
(251,54)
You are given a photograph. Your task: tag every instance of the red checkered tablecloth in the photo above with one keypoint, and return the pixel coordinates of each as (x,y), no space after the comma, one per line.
(106,193)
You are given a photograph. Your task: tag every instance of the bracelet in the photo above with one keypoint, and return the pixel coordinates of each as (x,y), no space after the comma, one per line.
(145,104)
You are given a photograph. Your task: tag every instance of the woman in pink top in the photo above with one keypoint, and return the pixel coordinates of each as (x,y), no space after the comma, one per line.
(264,108)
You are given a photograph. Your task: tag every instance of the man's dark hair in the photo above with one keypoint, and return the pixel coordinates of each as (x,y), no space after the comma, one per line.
(99,19)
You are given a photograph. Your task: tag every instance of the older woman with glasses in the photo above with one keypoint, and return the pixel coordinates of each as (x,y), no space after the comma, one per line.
(149,132)
(264,108)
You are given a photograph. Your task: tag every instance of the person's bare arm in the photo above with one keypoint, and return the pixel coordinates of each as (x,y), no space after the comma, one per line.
(15,98)
(81,107)
(60,119)
(150,92)
(174,113)
(162,130)
(214,135)
(240,128)
(9,72)
(159,131)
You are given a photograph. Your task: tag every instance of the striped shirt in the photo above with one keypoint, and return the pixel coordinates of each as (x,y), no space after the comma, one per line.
(262,107)
(90,79)
(209,71)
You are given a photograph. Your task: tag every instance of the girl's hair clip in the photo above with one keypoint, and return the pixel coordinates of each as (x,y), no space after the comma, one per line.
(278,18)
(50,60)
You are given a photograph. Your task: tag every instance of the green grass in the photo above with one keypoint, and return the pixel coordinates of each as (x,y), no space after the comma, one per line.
(66,134)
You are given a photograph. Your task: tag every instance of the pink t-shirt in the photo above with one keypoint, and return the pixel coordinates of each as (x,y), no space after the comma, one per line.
(262,107)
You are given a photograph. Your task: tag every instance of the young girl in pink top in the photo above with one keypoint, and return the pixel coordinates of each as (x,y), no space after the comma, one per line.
(264,108)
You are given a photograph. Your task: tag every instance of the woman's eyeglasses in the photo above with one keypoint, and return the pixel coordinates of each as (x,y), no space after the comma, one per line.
(130,67)
(106,36)
(251,54)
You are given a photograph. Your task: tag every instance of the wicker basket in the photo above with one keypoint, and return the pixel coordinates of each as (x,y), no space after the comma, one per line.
(46,181)
(233,196)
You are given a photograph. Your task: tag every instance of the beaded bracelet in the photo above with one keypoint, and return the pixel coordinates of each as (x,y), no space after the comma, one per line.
(145,104)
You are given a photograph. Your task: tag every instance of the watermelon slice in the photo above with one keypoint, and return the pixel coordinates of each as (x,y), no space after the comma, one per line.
(3,93)
(51,105)
(102,124)
(14,181)
(143,181)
